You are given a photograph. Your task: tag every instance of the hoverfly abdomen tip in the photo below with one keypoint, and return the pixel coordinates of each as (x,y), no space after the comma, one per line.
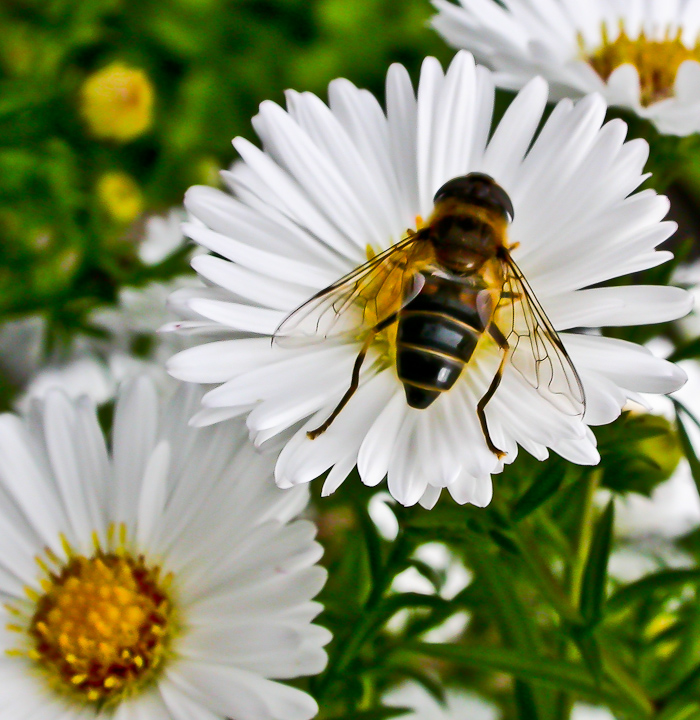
(420,398)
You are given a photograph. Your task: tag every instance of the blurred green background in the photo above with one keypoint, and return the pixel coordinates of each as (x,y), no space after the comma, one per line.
(74,192)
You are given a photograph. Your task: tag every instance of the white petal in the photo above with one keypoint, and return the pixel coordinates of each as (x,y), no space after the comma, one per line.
(242,695)
(629,365)
(182,706)
(25,482)
(151,501)
(628,305)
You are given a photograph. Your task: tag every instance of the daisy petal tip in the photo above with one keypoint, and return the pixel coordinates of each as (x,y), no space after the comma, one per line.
(597,103)
(283,482)
(483,493)
(677,378)
(538,87)
(327,491)
(170,327)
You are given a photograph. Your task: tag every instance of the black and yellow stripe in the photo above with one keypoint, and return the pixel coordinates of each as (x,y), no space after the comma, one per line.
(437,334)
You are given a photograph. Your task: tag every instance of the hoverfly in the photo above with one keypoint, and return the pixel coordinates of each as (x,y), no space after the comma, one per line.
(446,286)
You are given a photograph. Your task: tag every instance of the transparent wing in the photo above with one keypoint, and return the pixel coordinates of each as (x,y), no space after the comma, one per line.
(363,298)
(536,350)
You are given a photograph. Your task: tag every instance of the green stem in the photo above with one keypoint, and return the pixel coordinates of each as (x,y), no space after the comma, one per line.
(627,685)
(567,605)
(371,617)
(581,548)
(547,583)
(584,537)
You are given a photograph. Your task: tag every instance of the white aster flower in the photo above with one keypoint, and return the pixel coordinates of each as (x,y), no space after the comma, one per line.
(163,580)
(95,366)
(162,237)
(581,711)
(639,54)
(331,182)
(459,704)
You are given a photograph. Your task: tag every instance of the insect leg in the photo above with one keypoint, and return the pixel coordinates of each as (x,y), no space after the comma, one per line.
(355,381)
(495,332)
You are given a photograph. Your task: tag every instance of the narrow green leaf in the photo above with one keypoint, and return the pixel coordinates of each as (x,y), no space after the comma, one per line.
(382,713)
(681,669)
(589,648)
(514,621)
(429,573)
(641,589)
(542,488)
(392,604)
(432,684)
(596,572)
(688,449)
(373,542)
(504,541)
(681,709)
(685,352)
(558,674)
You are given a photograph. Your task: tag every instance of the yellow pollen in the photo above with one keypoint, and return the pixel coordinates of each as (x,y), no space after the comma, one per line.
(102,627)
(657,61)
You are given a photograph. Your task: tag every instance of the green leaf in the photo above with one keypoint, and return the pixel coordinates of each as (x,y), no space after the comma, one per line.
(596,572)
(638,453)
(373,542)
(382,713)
(559,674)
(411,600)
(681,709)
(589,648)
(641,589)
(504,541)
(514,621)
(435,578)
(688,449)
(685,352)
(432,684)
(543,487)
(680,669)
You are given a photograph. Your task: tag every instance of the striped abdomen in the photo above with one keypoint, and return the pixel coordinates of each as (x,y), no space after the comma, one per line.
(436,336)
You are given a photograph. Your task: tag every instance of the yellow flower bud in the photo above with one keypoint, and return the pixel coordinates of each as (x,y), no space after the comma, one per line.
(117,103)
(119,194)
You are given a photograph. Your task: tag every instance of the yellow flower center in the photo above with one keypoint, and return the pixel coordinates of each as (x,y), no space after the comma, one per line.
(102,628)
(657,61)
(120,196)
(117,103)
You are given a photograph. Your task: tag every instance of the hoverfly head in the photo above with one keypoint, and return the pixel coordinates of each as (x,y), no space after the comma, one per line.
(477,189)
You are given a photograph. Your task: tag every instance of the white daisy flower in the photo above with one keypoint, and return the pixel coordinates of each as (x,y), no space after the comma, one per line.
(96,366)
(162,237)
(590,712)
(638,54)
(163,580)
(332,182)
(459,704)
